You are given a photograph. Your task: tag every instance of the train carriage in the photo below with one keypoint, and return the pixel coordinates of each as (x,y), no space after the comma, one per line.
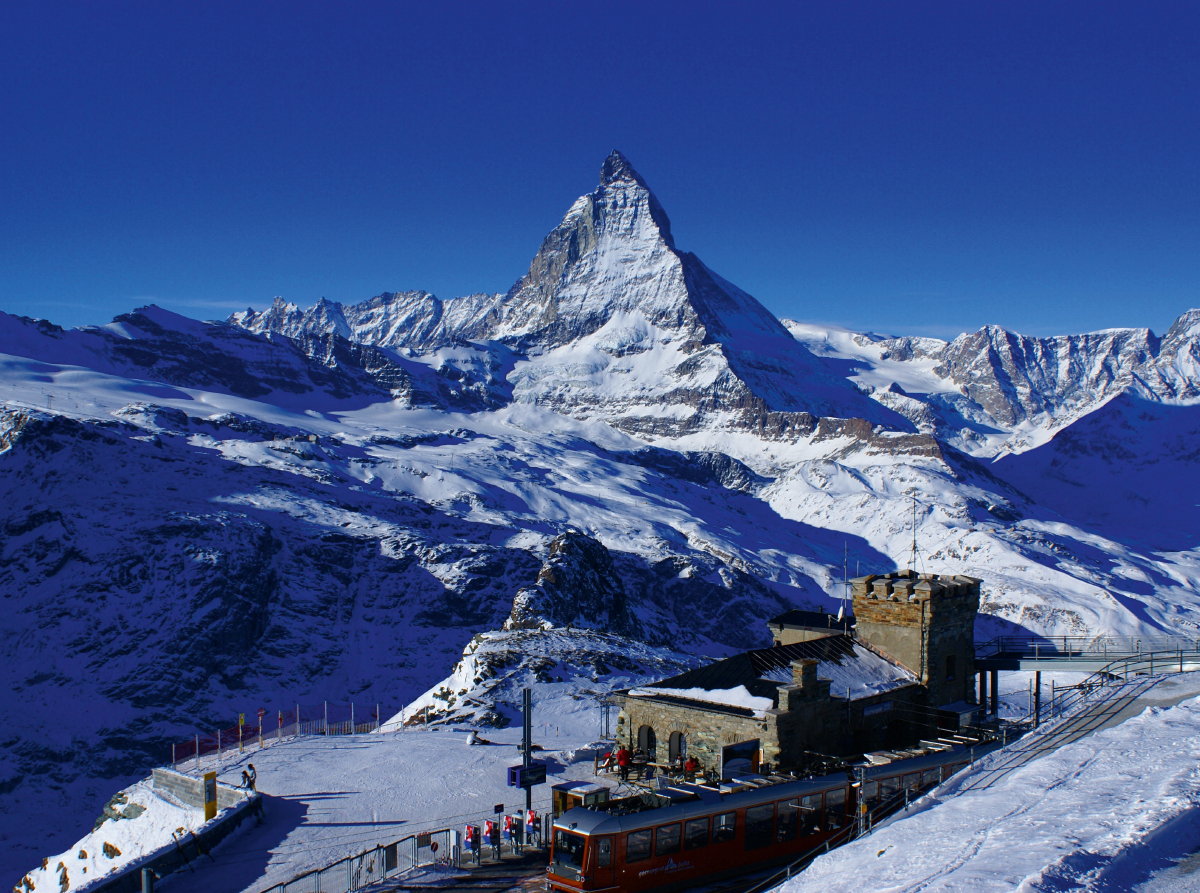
(688,834)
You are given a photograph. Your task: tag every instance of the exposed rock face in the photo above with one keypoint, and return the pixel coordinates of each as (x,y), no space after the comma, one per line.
(609,297)
(1004,379)
(698,467)
(577,586)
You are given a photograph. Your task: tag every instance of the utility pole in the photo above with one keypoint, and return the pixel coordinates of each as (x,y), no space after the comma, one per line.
(527,742)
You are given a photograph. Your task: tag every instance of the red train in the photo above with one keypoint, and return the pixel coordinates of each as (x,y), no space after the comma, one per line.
(690,833)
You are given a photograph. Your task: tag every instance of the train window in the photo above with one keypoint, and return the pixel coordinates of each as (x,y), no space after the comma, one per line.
(930,778)
(637,845)
(604,852)
(835,809)
(890,787)
(568,853)
(759,820)
(724,827)
(912,781)
(695,834)
(870,793)
(789,820)
(666,840)
(810,814)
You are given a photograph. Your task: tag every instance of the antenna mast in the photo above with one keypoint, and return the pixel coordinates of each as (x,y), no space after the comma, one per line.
(845,580)
(916,553)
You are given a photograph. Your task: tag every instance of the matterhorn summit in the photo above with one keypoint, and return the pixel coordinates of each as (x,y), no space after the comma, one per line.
(613,322)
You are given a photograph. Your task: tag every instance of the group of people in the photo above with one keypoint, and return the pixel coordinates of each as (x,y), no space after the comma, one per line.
(625,761)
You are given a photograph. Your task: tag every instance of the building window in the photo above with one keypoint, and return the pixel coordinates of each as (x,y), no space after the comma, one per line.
(676,747)
(949,667)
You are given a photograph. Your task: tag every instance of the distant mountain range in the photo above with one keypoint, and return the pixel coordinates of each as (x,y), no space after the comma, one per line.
(200,518)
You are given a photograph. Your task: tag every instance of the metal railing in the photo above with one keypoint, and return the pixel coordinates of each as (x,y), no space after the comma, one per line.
(325,719)
(377,864)
(1064,701)
(1089,647)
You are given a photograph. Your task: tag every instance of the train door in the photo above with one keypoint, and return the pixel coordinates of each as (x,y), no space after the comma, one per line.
(604,861)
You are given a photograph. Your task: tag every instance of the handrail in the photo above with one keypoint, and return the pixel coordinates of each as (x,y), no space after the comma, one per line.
(1072,646)
(1162,661)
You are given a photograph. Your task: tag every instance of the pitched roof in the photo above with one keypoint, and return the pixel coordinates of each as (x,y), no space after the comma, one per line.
(812,620)
(851,667)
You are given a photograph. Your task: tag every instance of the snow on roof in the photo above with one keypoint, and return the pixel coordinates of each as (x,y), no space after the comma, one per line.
(750,681)
(727,697)
(861,674)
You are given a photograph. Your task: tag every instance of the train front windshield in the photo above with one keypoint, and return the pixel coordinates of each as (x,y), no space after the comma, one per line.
(568,853)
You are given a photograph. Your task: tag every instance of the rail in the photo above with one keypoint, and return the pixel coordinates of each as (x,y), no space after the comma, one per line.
(1154,663)
(1087,647)
(377,864)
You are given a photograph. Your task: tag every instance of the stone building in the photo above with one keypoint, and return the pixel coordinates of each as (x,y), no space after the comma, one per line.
(881,683)
(804,626)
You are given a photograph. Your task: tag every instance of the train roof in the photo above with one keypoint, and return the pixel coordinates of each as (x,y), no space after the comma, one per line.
(684,801)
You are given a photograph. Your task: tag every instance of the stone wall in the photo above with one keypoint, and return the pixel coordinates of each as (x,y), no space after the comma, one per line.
(705,730)
(805,721)
(926,623)
(190,790)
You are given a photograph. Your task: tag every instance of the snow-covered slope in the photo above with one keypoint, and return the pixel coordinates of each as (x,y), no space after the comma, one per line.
(200,519)
(995,391)
(1100,814)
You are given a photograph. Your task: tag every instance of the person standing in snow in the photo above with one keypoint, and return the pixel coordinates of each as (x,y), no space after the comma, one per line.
(250,778)
(623,761)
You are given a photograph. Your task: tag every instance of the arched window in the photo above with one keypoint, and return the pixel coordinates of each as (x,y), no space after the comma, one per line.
(648,742)
(677,746)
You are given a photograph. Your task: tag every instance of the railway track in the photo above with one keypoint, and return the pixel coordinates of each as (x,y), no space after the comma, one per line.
(1095,716)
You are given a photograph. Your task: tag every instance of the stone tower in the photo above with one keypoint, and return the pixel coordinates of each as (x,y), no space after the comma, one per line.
(926,623)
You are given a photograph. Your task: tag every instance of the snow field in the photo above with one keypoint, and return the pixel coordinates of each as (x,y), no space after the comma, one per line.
(328,798)
(1084,817)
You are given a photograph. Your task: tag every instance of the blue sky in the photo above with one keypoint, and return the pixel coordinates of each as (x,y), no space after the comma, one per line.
(902,167)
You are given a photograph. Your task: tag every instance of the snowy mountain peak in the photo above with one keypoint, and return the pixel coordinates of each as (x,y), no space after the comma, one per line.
(616,167)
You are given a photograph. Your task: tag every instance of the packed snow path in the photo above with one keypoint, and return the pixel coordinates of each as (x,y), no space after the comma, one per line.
(1101,813)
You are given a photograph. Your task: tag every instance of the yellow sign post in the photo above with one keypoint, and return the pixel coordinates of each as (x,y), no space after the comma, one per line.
(241,722)
(210,795)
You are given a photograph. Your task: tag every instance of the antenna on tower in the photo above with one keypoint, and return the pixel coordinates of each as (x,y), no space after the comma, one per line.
(845,580)
(915,556)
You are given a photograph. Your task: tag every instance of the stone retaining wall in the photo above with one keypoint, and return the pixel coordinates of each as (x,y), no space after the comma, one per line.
(172,857)
(190,790)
